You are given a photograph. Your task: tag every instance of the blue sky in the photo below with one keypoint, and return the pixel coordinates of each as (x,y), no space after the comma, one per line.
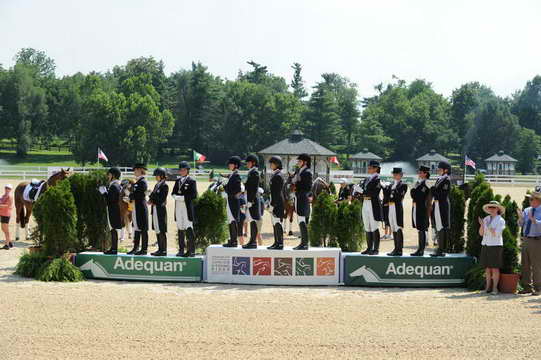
(445,42)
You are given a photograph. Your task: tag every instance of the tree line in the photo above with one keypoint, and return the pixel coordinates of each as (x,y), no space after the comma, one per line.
(135,112)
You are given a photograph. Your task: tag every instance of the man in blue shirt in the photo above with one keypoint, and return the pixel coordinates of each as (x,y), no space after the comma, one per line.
(530,220)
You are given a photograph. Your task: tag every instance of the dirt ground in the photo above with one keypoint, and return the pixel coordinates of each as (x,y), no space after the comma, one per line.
(122,320)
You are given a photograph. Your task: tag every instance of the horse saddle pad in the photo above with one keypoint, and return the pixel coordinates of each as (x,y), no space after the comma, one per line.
(32,191)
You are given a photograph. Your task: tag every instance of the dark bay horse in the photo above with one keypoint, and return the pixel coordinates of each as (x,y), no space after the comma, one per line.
(23,208)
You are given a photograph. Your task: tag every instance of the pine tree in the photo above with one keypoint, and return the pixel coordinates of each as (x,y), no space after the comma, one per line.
(298,83)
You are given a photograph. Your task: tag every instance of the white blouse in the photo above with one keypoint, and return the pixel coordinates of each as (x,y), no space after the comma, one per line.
(498,224)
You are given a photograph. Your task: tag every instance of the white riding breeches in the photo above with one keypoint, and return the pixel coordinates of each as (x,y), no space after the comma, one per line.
(437,216)
(370,224)
(155,221)
(392,218)
(181,214)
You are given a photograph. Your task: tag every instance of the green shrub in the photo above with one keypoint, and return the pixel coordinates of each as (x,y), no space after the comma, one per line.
(211,220)
(510,216)
(60,269)
(348,227)
(56,216)
(526,200)
(30,264)
(91,215)
(510,253)
(481,195)
(322,220)
(475,278)
(458,208)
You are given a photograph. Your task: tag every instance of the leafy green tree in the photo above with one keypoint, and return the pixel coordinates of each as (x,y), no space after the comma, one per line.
(464,101)
(41,65)
(493,120)
(24,106)
(527,105)
(529,145)
(413,113)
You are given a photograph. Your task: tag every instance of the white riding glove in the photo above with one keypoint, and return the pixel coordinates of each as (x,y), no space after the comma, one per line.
(102,189)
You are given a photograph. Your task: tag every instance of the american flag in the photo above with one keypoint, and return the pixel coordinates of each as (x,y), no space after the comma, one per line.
(334,160)
(469,162)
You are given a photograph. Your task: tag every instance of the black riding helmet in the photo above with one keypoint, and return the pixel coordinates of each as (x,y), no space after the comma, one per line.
(276,160)
(235,160)
(252,158)
(305,157)
(115,172)
(184,165)
(160,172)
(445,166)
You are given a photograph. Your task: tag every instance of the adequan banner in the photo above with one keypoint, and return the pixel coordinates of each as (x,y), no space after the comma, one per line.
(317,266)
(406,271)
(96,265)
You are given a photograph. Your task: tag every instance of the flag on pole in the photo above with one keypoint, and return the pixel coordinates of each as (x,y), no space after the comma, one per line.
(469,162)
(101,155)
(334,160)
(198,157)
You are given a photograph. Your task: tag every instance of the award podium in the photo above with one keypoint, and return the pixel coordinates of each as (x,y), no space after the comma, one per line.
(315,266)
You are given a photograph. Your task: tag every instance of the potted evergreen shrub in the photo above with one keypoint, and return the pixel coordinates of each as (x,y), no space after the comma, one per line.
(509,275)
(56,216)
(322,220)
(211,224)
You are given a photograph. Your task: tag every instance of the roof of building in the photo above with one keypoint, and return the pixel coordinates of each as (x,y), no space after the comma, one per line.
(501,156)
(297,144)
(433,156)
(365,155)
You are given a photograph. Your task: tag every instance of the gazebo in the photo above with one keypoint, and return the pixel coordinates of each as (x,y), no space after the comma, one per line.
(501,164)
(296,144)
(431,160)
(359,161)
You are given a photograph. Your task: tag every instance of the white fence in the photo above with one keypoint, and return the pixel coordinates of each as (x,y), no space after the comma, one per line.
(44,172)
(512,180)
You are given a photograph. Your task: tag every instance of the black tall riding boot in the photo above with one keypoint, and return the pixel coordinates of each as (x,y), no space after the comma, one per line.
(395,241)
(136,240)
(144,243)
(422,243)
(252,244)
(232,235)
(162,245)
(400,242)
(442,239)
(278,237)
(273,246)
(190,234)
(375,250)
(304,237)
(369,243)
(114,243)
(181,242)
